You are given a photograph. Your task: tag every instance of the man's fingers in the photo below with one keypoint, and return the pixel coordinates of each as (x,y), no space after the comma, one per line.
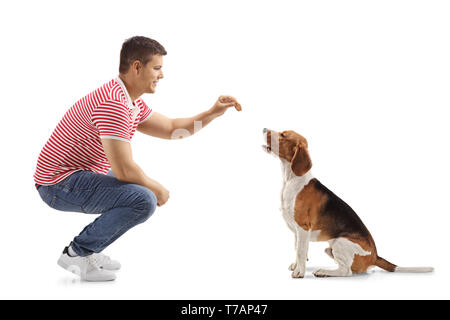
(226,99)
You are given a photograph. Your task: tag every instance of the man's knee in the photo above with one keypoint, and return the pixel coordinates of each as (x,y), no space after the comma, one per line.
(145,203)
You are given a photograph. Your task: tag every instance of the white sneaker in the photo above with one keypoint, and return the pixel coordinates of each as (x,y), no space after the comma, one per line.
(106,263)
(87,268)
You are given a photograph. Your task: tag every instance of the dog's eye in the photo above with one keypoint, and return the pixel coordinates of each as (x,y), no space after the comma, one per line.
(283,135)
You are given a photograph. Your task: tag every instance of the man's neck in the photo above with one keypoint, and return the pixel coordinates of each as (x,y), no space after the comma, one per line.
(134,93)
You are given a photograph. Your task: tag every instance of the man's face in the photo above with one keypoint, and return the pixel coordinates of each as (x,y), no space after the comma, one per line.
(151,73)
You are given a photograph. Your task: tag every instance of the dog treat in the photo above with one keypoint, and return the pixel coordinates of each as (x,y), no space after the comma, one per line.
(238,106)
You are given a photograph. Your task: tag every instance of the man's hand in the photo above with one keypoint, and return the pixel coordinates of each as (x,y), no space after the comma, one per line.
(162,194)
(222,104)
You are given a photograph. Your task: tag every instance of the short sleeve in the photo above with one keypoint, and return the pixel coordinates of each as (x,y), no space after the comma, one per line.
(112,120)
(146,112)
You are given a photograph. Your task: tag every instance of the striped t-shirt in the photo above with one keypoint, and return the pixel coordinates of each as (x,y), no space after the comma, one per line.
(75,144)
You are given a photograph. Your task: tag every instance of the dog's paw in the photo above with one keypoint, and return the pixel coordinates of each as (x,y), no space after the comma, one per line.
(296,274)
(292,266)
(321,273)
(333,273)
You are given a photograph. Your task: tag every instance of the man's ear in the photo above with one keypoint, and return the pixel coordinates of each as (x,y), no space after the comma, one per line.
(136,66)
(301,162)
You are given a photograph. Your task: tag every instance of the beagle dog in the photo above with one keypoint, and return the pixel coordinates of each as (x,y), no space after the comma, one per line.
(314,213)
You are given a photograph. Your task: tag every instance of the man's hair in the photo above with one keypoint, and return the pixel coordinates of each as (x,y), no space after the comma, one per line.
(139,48)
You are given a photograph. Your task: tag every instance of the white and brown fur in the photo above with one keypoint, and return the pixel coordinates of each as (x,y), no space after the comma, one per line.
(314,213)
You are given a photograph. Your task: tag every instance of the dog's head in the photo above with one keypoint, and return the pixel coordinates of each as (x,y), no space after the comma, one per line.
(289,146)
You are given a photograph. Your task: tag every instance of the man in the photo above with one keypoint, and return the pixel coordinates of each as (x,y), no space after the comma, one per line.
(87,165)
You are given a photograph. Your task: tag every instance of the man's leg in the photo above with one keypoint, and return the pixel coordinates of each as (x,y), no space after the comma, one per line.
(121,205)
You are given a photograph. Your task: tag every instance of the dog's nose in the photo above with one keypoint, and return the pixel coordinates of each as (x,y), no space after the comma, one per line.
(265,130)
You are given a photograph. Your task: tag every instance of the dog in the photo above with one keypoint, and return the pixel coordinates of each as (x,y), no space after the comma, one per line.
(314,213)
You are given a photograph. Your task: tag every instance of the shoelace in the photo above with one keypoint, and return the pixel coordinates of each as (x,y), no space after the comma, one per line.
(93,261)
(102,258)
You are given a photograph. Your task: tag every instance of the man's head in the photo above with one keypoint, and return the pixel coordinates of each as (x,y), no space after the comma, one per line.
(141,62)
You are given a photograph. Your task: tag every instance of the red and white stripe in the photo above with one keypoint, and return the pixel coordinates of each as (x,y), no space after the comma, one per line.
(75,144)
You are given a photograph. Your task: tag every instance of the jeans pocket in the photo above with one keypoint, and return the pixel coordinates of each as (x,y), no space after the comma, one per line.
(62,205)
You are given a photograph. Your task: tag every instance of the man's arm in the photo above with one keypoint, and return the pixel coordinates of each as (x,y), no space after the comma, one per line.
(160,126)
(125,169)
(157,125)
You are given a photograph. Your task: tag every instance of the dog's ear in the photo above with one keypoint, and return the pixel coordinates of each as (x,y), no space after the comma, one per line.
(301,162)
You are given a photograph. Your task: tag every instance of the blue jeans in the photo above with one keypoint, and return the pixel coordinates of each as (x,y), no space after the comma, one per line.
(121,206)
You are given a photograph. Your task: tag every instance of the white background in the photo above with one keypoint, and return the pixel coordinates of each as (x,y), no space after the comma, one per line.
(366,82)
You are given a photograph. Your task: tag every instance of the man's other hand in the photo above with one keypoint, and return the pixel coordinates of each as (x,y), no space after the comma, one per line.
(162,194)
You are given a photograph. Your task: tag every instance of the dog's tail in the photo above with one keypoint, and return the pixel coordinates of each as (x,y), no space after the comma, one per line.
(386,265)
